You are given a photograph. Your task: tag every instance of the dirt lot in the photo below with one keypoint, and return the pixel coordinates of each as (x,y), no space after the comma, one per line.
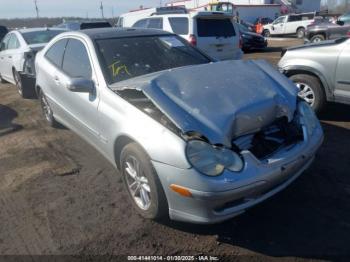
(59,196)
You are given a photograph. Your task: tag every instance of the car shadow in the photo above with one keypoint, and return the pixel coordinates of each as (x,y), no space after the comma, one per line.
(265,50)
(7,115)
(310,219)
(335,112)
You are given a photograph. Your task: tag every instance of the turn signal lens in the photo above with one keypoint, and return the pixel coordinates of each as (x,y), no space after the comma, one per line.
(181,190)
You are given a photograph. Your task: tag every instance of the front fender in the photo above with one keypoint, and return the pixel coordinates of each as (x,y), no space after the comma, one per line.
(290,68)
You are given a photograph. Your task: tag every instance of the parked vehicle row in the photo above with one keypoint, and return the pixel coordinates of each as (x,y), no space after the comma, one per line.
(212,32)
(289,25)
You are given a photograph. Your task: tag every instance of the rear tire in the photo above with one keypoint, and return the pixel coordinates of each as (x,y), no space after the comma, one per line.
(266,33)
(311,90)
(142,183)
(301,32)
(46,109)
(317,38)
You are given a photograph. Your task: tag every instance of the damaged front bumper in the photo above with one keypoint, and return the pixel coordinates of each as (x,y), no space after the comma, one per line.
(215,199)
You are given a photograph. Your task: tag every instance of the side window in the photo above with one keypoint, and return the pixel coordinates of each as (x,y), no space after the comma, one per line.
(5,42)
(279,20)
(179,25)
(56,51)
(76,61)
(13,43)
(156,23)
(141,23)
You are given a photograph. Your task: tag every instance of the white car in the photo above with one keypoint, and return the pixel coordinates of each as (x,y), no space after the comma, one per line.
(289,25)
(214,33)
(17,53)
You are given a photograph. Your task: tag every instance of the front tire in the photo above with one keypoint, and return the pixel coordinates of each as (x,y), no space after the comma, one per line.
(301,32)
(266,33)
(317,38)
(46,109)
(142,183)
(311,90)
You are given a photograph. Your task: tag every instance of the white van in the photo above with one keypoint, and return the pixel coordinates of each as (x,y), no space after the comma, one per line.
(214,33)
(290,24)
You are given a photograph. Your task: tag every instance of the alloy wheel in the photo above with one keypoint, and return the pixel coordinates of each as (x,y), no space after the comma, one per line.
(46,107)
(18,82)
(137,182)
(306,93)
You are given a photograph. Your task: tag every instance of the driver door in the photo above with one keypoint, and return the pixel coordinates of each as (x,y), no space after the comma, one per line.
(279,25)
(78,109)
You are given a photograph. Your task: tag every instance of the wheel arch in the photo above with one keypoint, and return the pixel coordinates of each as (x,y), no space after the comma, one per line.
(119,144)
(307,71)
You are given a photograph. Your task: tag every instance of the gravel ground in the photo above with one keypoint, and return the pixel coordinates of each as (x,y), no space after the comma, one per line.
(59,196)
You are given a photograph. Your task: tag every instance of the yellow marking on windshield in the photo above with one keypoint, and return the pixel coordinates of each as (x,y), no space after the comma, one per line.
(116,69)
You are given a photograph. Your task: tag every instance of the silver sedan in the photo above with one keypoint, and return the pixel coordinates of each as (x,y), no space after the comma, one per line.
(194,140)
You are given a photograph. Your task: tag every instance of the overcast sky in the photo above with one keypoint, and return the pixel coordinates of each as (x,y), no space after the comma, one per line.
(81,8)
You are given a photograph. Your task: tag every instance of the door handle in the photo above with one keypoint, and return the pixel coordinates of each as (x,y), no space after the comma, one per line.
(57,80)
(9,56)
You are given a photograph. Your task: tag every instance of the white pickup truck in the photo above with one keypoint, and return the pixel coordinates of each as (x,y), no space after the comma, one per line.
(290,24)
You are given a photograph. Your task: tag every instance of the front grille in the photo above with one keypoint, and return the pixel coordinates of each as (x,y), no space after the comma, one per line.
(271,138)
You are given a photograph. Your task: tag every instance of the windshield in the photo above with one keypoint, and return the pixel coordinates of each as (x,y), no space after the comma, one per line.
(124,58)
(40,37)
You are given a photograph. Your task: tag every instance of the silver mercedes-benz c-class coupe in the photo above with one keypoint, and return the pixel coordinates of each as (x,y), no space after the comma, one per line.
(197,140)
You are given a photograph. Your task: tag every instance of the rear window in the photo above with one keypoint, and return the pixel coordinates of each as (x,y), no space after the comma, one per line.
(179,25)
(124,58)
(94,25)
(40,37)
(215,28)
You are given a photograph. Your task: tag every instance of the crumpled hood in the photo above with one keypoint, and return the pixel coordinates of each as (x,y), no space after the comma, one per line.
(220,100)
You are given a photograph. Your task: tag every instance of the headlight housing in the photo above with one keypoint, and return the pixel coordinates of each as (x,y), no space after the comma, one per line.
(309,118)
(210,160)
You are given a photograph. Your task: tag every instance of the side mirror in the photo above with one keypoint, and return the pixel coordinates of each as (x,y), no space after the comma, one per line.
(341,23)
(81,85)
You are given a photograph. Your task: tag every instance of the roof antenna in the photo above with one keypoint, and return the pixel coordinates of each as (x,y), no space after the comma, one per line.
(36,9)
(101,7)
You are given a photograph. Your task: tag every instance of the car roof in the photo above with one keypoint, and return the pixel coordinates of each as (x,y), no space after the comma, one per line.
(113,32)
(37,29)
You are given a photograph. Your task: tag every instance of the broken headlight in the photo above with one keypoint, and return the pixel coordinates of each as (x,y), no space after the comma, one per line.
(309,118)
(211,160)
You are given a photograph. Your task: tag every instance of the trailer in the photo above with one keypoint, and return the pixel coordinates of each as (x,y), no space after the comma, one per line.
(246,12)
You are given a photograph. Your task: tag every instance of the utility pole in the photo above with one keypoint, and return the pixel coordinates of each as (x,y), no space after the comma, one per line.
(101,7)
(36,8)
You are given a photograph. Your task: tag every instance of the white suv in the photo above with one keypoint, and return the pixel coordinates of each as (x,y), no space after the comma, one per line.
(214,33)
(289,24)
